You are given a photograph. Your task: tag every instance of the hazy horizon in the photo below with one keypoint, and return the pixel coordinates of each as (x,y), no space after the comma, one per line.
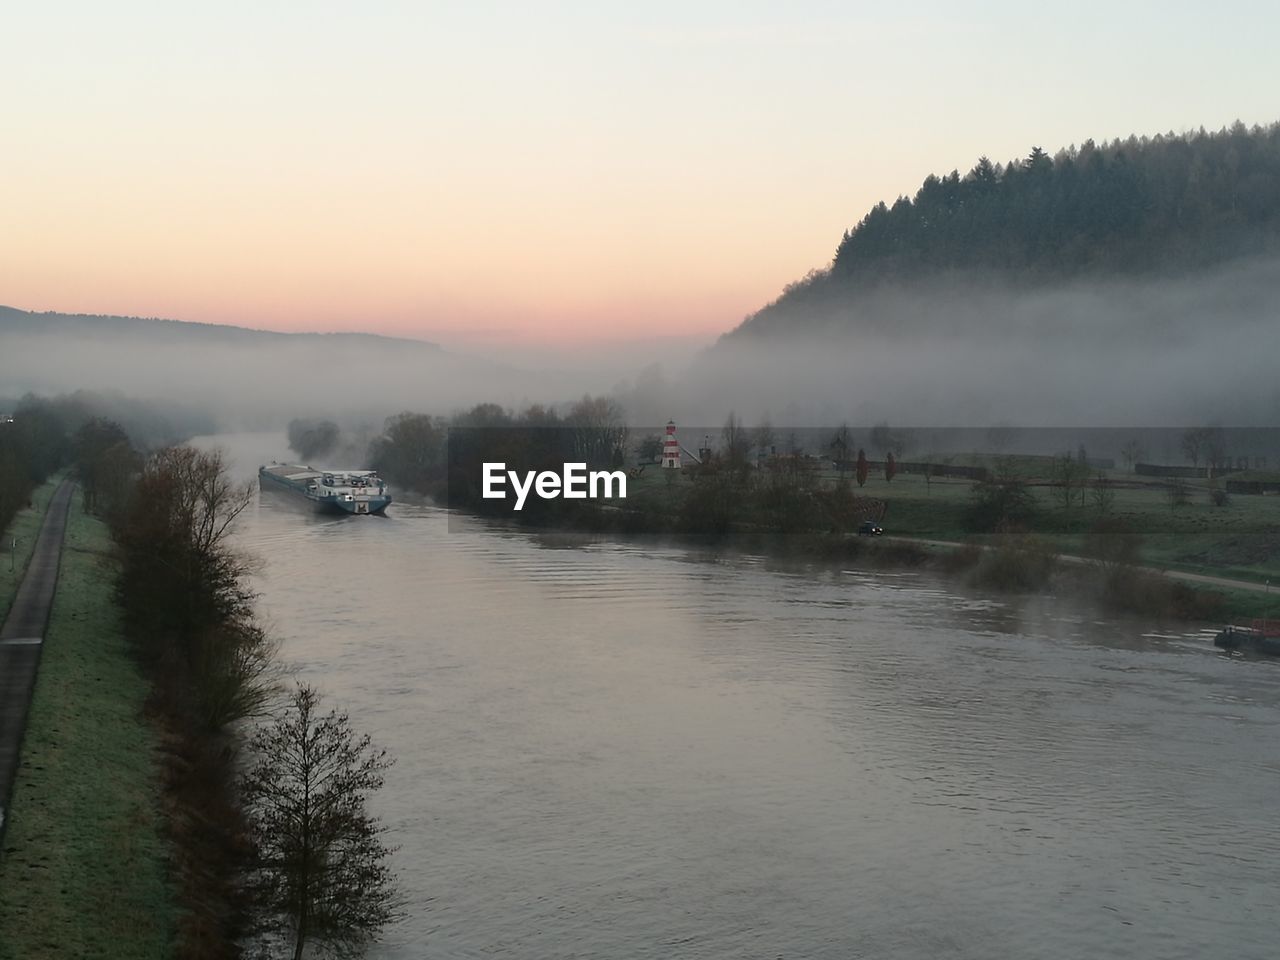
(546,178)
(1115,352)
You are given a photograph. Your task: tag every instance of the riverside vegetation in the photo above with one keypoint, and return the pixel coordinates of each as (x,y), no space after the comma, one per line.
(1007,527)
(193,671)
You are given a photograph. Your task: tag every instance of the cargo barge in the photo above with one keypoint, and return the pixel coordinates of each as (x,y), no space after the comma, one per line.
(1260,636)
(329,491)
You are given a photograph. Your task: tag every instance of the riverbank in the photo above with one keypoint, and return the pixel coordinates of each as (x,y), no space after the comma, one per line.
(1022,563)
(85,868)
(17,542)
(1132,526)
(1129,547)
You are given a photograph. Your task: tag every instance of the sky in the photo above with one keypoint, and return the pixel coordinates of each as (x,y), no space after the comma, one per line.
(558,175)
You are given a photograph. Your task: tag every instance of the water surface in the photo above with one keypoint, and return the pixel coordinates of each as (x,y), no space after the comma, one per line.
(633,751)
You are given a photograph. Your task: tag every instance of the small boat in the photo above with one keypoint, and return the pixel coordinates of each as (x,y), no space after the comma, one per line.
(331,491)
(1260,636)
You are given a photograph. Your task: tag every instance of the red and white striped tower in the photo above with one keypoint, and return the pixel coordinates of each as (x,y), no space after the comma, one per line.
(671,448)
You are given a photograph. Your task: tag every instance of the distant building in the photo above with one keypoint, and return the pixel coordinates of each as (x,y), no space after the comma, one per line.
(671,448)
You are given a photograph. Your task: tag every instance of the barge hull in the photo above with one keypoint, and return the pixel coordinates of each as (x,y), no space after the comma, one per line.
(324,492)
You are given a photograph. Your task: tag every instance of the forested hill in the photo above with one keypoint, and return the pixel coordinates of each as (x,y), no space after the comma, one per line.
(1141,206)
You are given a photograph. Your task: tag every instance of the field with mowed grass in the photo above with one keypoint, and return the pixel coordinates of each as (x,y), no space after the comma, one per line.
(1237,537)
(19,540)
(84,869)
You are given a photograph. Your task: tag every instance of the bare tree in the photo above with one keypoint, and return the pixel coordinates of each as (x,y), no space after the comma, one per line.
(1104,494)
(186,589)
(320,866)
(737,443)
(1000,502)
(840,444)
(1132,452)
(763,438)
(882,438)
(1215,447)
(1193,444)
(649,448)
(599,431)
(1066,477)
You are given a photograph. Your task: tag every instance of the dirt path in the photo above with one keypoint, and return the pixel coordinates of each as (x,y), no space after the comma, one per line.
(1203,579)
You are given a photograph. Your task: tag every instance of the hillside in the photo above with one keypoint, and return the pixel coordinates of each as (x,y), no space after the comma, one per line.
(239,376)
(93,326)
(1136,208)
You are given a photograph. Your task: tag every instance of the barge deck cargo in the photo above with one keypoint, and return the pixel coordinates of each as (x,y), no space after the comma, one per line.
(330,491)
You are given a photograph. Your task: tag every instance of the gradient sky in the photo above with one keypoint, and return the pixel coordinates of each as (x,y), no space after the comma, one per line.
(552,173)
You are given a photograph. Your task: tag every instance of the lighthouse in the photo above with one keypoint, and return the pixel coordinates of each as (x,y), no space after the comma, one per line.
(671,448)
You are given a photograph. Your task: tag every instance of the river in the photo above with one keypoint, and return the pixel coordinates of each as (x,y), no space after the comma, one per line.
(631,750)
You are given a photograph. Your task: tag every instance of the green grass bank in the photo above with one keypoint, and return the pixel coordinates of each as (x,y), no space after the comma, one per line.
(85,868)
(1239,539)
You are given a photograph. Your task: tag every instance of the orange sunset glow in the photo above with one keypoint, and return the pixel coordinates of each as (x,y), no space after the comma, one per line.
(562,176)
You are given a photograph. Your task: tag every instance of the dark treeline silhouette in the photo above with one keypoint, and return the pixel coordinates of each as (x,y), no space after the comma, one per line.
(188,611)
(444,457)
(149,423)
(729,492)
(312,438)
(40,435)
(1144,205)
(761,491)
(184,588)
(184,593)
(33,445)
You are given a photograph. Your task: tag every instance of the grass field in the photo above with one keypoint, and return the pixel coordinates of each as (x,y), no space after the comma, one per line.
(84,870)
(23,530)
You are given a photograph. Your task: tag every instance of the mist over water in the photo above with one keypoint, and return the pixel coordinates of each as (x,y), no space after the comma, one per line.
(969,352)
(623,749)
(958,351)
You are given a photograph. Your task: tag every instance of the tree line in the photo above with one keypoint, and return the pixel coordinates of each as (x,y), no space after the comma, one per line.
(1139,203)
(33,445)
(286,848)
(443,457)
(264,792)
(1159,204)
(40,435)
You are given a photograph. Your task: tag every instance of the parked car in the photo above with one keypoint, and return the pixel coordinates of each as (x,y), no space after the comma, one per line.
(870,528)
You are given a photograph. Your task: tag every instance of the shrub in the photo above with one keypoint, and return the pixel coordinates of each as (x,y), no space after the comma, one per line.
(1016,562)
(1000,503)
